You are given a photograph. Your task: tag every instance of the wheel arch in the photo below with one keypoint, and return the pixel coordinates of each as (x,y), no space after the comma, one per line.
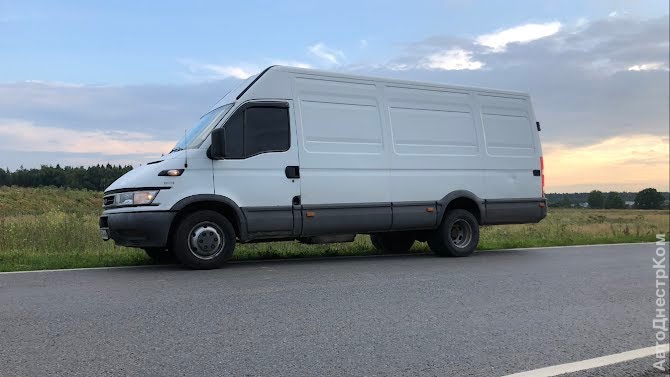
(219,203)
(462,199)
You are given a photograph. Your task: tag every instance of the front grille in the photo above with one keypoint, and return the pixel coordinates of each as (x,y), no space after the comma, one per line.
(108,200)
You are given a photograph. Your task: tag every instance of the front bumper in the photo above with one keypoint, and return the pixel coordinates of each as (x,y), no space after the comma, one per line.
(137,229)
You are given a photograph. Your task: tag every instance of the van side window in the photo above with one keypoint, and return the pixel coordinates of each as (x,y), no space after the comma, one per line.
(235,136)
(266,129)
(257,130)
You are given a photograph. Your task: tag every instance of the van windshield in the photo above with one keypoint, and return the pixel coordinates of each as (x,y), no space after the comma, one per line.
(198,133)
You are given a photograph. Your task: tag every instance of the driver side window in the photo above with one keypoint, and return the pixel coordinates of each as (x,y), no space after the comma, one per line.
(257,129)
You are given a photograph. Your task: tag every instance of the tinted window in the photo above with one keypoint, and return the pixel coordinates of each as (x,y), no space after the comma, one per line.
(235,136)
(266,129)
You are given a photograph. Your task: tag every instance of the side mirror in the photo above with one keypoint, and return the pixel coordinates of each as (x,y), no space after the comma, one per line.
(218,149)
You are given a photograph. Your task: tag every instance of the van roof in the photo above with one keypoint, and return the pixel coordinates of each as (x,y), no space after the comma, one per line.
(309,71)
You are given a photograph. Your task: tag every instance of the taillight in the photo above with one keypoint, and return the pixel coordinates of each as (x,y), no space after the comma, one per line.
(542,173)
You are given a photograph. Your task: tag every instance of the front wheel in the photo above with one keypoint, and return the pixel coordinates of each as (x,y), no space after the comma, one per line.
(204,240)
(457,236)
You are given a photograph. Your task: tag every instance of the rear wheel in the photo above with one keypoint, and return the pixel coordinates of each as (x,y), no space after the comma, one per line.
(160,255)
(395,242)
(204,240)
(457,236)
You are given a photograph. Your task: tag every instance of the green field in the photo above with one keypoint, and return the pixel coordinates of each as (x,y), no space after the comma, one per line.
(48,228)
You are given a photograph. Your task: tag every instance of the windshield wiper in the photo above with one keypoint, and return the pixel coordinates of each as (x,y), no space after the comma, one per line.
(177,149)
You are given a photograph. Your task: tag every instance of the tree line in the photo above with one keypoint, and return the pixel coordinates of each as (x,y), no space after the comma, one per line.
(648,198)
(95,178)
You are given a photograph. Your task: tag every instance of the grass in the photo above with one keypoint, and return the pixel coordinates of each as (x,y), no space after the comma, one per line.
(48,228)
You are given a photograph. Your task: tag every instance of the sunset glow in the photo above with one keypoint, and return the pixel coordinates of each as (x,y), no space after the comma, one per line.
(622,163)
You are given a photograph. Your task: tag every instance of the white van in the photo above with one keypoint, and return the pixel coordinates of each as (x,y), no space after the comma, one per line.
(298,154)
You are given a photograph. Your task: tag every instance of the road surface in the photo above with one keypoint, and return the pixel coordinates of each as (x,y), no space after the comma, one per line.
(496,313)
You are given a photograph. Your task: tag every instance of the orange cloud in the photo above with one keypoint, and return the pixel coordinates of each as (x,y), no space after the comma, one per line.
(24,136)
(619,163)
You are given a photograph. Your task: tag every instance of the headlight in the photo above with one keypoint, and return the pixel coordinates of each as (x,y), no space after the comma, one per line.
(135,197)
(171,173)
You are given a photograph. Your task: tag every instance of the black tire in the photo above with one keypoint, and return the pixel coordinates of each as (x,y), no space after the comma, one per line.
(394,243)
(160,255)
(457,236)
(204,240)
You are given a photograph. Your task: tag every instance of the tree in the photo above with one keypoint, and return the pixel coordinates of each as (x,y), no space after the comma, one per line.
(648,198)
(596,199)
(563,203)
(4,178)
(614,201)
(90,178)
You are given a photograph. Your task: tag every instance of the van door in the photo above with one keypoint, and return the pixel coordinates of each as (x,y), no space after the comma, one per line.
(260,172)
(345,176)
(512,148)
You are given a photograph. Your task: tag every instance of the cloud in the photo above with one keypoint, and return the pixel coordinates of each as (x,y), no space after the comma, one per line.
(291,63)
(578,78)
(25,136)
(435,54)
(656,66)
(120,115)
(217,72)
(581,22)
(455,59)
(212,72)
(224,71)
(630,162)
(327,54)
(155,109)
(57,84)
(498,41)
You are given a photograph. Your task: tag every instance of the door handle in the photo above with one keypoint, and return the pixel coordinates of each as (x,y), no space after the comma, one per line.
(292,172)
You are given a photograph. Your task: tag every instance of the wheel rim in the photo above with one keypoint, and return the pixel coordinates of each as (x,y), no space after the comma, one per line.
(206,240)
(461,233)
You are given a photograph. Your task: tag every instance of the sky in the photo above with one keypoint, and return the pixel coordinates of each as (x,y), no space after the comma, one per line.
(83,83)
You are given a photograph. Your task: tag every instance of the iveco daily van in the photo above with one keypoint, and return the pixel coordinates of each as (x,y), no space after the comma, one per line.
(298,154)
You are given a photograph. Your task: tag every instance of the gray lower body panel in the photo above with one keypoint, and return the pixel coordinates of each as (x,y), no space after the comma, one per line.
(346,218)
(514,211)
(329,219)
(269,221)
(414,215)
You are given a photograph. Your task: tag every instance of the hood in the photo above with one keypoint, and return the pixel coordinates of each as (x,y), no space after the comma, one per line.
(147,175)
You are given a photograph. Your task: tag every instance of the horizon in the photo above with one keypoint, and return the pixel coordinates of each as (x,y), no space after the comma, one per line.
(103,165)
(597,73)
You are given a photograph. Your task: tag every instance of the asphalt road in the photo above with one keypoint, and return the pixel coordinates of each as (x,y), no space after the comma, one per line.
(495,313)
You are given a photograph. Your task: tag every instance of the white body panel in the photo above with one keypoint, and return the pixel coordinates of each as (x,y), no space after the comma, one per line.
(365,140)
(342,154)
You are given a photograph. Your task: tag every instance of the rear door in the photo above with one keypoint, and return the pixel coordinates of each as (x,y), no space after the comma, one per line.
(512,147)
(259,175)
